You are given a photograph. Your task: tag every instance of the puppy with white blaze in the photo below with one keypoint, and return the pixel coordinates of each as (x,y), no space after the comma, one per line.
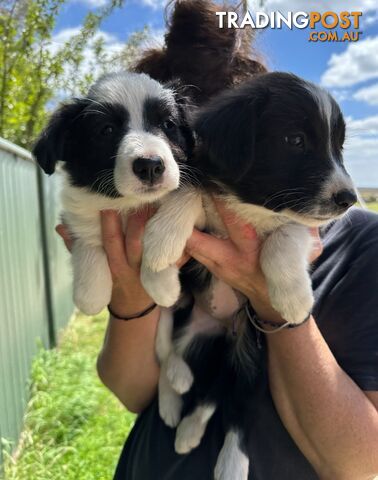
(122,147)
(271,149)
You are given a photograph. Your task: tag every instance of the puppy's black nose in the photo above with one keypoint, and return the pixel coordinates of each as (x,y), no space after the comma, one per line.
(345,198)
(148,169)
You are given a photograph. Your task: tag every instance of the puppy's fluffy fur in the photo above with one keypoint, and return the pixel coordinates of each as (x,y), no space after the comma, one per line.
(272,150)
(122,147)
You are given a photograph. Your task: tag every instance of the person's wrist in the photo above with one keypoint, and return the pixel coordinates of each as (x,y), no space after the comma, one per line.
(129,302)
(267,319)
(260,301)
(266,313)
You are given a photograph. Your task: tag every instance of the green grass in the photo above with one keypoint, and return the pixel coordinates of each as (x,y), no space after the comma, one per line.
(372,206)
(74,428)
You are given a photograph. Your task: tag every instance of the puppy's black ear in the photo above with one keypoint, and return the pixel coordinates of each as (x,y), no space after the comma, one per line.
(50,146)
(227,129)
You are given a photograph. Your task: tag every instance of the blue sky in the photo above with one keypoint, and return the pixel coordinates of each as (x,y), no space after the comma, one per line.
(348,70)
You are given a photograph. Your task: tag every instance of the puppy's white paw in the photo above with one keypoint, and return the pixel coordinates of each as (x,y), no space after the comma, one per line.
(159,256)
(163,287)
(92,296)
(293,301)
(90,306)
(170,403)
(92,278)
(283,260)
(179,374)
(232,463)
(167,232)
(188,435)
(170,409)
(191,429)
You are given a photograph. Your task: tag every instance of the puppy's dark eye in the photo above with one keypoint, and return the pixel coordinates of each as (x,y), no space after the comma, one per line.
(107,130)
(296,140)
(168,125)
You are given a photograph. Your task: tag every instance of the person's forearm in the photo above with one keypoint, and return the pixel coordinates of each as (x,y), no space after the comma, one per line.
(127,364)
(328,416)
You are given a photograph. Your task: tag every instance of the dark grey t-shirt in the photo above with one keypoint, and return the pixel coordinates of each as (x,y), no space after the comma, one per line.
(345,282)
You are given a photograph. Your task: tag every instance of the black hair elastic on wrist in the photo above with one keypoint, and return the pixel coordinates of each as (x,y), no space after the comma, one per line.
(136,315)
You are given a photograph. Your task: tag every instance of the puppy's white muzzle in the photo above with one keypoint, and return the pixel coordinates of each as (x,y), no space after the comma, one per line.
(145,166)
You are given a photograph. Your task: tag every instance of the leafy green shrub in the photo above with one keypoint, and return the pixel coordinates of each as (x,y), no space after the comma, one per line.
(74,428)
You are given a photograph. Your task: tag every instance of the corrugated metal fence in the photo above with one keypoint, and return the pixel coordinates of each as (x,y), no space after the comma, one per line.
(35,277)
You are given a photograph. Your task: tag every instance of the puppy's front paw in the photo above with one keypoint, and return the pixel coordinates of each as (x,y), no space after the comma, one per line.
(293,301)
(92,278)
(163,287)
(93,295)
(160,254)
(179,374)
(90,306)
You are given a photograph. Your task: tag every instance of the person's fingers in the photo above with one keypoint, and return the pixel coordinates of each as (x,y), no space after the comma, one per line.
(63,232)
(317,247)
(183,260)
(206,248)
(136,223)
(113,239)
(241,234)
(195,250)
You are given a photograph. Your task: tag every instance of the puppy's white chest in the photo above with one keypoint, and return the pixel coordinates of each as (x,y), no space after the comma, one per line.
(81,211)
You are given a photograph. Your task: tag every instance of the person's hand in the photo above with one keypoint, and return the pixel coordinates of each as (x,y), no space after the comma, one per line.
(63,232)
(124,254)
(236,260)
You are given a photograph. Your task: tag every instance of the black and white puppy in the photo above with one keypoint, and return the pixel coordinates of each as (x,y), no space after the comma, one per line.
(122,148)
(272,150)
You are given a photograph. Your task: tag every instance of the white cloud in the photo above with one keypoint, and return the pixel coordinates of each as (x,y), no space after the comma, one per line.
(112,46)
(368,94)
(111,42)
(60,38)
(369,20)
(363,126)
(359,62)
(155,4)
(340,94)
(361,149)
(92,3)
(317,6)
(154,39)
(286,5)
(361,161)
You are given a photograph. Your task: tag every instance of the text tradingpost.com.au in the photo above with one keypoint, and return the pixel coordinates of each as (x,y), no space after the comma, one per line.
(325,27)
